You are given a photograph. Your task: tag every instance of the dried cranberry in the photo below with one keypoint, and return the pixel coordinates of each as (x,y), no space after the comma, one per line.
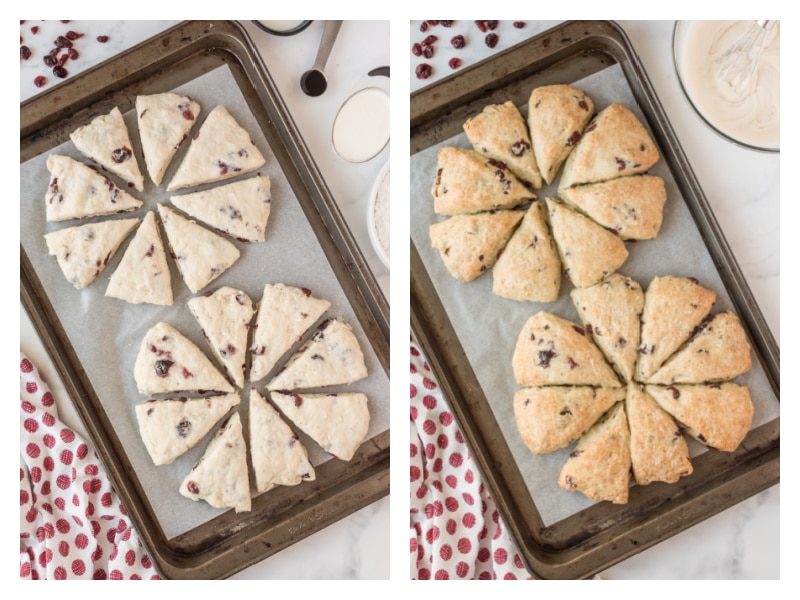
(40,81)
(423,26)
(50,60)
(447,23)
(519,24)
(416,50)
(544,357)
(72,35)
(24,52)
(62,42)
(491,25)
(192,487)
(455,63)
(458,42)
(73,54)
(162,367)
(481,25)
(427,51)
(491,40)
(183,428)
(574,138)
(423,71)
(428,41)
(434,23)
(60,71)
(120,155)
(102,39)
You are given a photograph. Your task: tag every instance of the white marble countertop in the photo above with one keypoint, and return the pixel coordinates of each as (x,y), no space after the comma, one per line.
(356,547)
(743,189)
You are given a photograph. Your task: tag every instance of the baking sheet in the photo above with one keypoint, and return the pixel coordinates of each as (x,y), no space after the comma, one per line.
(487,326)
(106,332)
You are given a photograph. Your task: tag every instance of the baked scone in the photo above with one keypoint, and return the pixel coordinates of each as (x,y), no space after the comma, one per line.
(610,312)
(470,244)
(77,191)
(615,144)
(200,254)
(332,357)
(164,123)
(588,251)
(557,115)
(718,415)
(220,477)
(169,362)
(673,308)
(172,426)
(105,141)
(468,182)
(225,316)
(529,267)
(552,417)
(719,351)
(239,209)
(337,422)
(219,150)
(658,449)
(285,314)
(599,466)
(83,251)
(499,132)
(553,351)
(633,207)
(142,275)
(278,456)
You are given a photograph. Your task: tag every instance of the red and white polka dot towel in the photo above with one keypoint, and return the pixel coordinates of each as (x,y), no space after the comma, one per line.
(456,529)
(71,523)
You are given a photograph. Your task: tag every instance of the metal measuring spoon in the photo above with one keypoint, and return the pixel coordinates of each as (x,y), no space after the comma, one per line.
(313,81)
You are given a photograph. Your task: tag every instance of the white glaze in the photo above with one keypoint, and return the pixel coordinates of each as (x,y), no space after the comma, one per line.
(361,127)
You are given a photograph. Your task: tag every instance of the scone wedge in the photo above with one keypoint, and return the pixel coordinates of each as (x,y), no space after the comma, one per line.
(600,464)
(470,244)
(468,182)
(165,121)
(529,267)
(170,427)
(105,141)
(552,417)
(499,132)
(220,477)
(83,251)
(337,422)
(718,415)
(279,458)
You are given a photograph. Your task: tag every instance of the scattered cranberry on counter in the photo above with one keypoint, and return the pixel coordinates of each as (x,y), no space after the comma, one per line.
(423,71)
(416,50)
(40,81)
(24,52)
(455,62)
(102,39)
(519,24)
(458,42)
(491,39)
(35,29)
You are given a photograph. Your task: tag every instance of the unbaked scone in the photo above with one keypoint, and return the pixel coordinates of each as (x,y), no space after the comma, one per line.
(673,308)
(499,132)
(718,415)
(600,465)
(614,144)
(470,244)
(552,417)
(468,182)
(633,207)
(529,267)
(83,251)
(557,116)
(551,350)
(220,477)
(589,252)
(610,312)
(105,141)
(659,451)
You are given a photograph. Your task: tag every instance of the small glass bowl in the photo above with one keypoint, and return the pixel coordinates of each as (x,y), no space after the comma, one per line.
(372,225)
(678,48)
(275,30)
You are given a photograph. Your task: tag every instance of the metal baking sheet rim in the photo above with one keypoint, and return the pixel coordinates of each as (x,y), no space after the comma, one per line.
(251,537)
(600,536)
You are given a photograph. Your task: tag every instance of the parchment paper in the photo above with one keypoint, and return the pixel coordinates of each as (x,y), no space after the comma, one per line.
(107,332)
(487,325)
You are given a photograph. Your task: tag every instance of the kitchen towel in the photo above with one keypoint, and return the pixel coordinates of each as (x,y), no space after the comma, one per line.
(456,529)
(72,525)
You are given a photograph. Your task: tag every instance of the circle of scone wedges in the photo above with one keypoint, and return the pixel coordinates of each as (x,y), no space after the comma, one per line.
(169,363)
(644,367)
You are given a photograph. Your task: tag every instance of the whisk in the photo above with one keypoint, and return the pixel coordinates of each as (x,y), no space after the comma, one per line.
(738,63)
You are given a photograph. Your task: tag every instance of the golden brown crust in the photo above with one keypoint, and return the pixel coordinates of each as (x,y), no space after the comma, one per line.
(529,267)
(717,415)
(469,244)
(633,206)
(659,451)
(588,252)
(553,351)
(468,182)
(557,114)
(614,144)
(600,465)
(499,132)
(719,351)
(552,417)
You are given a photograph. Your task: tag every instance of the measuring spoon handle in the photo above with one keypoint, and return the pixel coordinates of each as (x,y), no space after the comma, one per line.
(326,44)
